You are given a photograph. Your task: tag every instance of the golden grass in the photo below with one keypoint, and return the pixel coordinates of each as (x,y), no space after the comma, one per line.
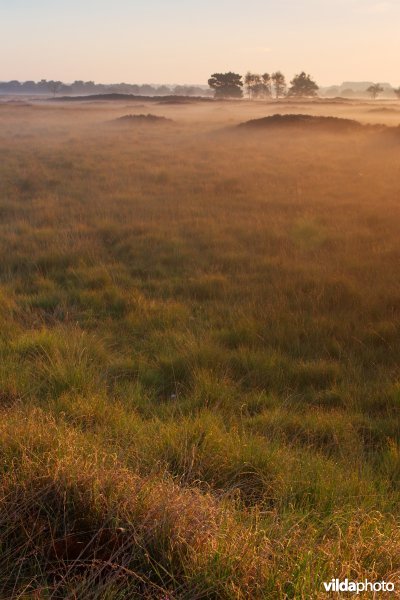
(199,384)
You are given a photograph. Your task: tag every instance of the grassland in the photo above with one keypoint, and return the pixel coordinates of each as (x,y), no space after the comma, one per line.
(200,349)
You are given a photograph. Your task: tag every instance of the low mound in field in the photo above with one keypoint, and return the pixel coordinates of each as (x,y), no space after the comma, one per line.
(303,122)
(139,119)
(384,110)
(175,101)
(14,102)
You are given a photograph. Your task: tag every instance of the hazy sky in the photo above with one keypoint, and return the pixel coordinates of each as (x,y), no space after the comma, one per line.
(184,41)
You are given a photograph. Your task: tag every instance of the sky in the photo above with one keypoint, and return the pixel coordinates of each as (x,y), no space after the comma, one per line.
(185,41)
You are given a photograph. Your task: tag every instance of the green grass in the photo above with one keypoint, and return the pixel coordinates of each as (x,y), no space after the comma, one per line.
(199,344)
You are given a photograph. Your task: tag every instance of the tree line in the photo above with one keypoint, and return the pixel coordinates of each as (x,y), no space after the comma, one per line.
(266,85)
(79,88)
(224,85)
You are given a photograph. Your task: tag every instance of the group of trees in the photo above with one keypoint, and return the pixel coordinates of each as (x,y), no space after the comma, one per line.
(230,85)
(224,85)
(78,88)
(263,86)
(376,89)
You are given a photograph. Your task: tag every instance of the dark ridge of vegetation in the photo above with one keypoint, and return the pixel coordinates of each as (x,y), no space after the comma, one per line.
(300,121)
(175,101)
(136,119)
(15,102)
(79,88)
(384,110)
(131,97)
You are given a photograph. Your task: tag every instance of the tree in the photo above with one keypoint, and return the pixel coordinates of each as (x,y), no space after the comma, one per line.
(374,90)
(262,86)
(266,79)
(260,90)
(397,92)
(226,85)
(43,85)
(54,86)
(279,83)
(258,86)
(303,86)
(249,82)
